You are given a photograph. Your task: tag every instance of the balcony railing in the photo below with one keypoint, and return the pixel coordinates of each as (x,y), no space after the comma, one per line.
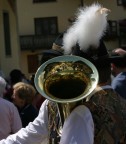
(34,42)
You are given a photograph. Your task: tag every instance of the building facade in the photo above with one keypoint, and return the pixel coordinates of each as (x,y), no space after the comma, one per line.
(9,42)
(34,25)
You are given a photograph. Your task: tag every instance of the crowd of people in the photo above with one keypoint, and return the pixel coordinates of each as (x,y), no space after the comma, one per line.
(19,102)
(97,119)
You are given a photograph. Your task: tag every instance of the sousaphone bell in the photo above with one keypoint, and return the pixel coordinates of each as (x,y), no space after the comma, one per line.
(66,80)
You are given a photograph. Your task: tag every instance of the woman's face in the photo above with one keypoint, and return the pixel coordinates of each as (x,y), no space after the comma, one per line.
(17,100)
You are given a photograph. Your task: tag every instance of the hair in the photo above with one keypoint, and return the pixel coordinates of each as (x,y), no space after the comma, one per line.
(25,91)
(16,76)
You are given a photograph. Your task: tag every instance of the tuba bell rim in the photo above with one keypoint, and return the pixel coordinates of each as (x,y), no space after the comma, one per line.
(67,58)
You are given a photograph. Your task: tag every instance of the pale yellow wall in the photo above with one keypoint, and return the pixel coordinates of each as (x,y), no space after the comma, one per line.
(11,62)
(27,11)
(117,12)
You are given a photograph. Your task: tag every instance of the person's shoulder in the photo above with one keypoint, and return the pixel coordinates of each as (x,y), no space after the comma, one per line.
(7,104)
(108,112)
(121,76)
(119,81)
(81,111)
(108,99)
(106,95)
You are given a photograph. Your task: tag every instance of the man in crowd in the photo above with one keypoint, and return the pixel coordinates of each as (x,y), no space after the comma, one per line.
(118,68)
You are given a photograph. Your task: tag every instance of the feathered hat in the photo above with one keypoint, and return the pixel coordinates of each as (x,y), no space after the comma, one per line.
(84,37)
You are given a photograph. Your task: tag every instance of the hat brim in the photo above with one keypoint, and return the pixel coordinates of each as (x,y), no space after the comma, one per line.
(52,52)
(116,57)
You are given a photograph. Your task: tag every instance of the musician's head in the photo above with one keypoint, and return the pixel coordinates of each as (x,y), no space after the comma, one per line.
(118,61)
(85,38)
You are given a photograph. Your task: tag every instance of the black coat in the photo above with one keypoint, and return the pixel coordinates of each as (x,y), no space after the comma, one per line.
(28,114)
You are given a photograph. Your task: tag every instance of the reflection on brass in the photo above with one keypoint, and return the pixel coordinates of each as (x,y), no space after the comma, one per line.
(66,80)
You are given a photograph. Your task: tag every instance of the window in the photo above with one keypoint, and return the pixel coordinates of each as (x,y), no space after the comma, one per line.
(46,26)
(33,63)
(7,33)
(37,1)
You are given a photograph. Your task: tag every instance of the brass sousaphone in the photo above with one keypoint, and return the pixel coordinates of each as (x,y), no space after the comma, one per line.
(66,80)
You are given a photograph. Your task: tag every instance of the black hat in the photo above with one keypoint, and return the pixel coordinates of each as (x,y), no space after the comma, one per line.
(118,59)
(93,54)
(52,52)
(57,45)
(48,54)
(56,50)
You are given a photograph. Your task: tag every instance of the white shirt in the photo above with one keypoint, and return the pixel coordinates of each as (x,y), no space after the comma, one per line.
(10,121)
(37,131)
(78,127)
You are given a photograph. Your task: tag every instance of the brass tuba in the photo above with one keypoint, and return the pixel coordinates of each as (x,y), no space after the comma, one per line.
(66,80)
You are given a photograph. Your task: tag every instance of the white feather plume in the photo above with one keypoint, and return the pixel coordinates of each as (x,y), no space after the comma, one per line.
(88,28)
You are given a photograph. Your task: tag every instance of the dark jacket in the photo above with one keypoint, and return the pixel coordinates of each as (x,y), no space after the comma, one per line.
(28,114)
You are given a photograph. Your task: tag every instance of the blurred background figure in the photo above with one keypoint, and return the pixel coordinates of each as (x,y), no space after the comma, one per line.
(23,96)
(10,121)
(118,69)
(15,76)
